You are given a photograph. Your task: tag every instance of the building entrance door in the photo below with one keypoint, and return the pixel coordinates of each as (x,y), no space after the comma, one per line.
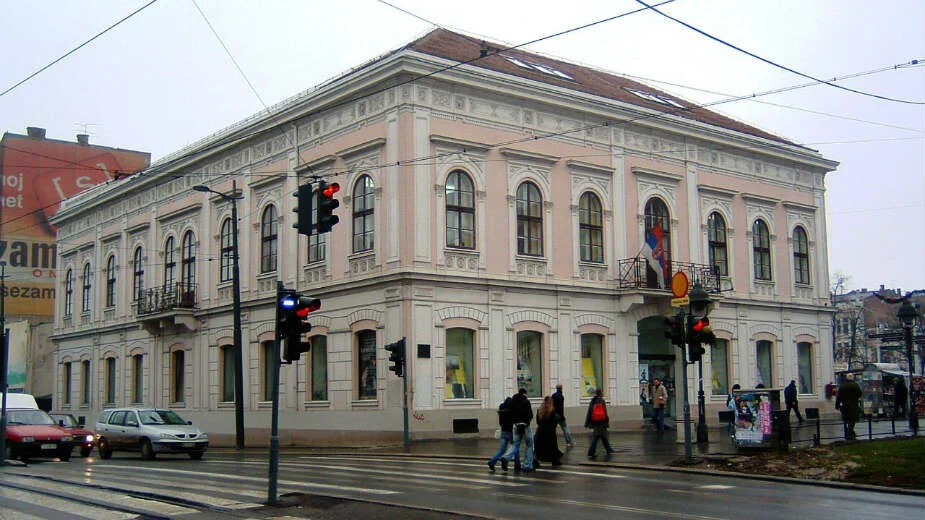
(657,358)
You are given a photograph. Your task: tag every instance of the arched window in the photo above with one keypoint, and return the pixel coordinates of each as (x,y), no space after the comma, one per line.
(363,212)
(227,253)
(460,210)
(111,281)
(188,274)
(170,264)
(591,228)
(69,293)
(716,243)
(761,249)
(138,276)
(529,220)
(658,232)
(800,256)
(269,240)
(87,288)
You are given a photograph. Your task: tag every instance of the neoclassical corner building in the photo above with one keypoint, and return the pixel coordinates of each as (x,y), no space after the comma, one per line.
(494,205)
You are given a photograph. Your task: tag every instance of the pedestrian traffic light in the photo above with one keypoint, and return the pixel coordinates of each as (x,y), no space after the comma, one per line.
(397,357)
(303,209)
(294,311)
(674,331)
(326,206)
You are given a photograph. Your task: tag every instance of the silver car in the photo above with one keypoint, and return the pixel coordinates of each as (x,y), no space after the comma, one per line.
(149,431)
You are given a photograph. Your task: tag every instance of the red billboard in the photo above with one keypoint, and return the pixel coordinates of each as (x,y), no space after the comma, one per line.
(37,174)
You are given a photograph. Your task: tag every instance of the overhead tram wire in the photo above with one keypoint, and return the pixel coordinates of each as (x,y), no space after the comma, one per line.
(775,64)
(75,49)
(409,13)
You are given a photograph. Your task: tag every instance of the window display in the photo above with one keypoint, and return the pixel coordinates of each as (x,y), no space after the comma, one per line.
(530,363)
(459,368)
(366,362)
(719,367)
(319,368)
(592,346)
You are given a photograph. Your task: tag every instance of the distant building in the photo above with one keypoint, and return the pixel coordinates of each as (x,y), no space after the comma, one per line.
(38,173)
(494,209)
(866,330)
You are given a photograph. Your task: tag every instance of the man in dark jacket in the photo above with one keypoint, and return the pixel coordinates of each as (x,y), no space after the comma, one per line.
(790,397)
(507,435)
(848,401)
(598,422)
(521,416)
(900,397)
(558,402)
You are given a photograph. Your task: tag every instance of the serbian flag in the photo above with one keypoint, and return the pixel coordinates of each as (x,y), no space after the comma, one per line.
(654,252)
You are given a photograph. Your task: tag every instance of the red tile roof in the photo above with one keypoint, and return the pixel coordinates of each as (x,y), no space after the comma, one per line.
(457,47)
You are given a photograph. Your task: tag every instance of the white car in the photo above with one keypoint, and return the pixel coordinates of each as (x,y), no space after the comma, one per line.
(150,431)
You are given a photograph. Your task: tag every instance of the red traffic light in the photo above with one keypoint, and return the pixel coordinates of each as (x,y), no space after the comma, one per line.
(330,190)
(701,324)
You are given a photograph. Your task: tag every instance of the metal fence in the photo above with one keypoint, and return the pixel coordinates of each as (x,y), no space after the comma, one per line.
(166,298)
(635,273)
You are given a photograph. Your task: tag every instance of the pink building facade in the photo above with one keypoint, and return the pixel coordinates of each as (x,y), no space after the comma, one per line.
(492,213)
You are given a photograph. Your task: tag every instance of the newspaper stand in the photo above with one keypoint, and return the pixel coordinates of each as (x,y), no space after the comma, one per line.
(759,421)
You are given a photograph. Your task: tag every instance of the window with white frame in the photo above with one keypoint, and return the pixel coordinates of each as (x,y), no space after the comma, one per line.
(87,289)
(138,275)
(226,263)
(170,264)
(318,368)
(805,382)
(719,367)
(590,228)
(188,272)
(716,242)
(366,364)
(177,373)
(111,281)
(460,371)
(110,380)
(460,210)
(761,250)
(66,383)
(530,362)
(227,360)
(765,357)
(363,213)
(800,256)
(269,240)
(138,378)
(592,364)
(85,382)
(268,363)
(529,220)
(69,293)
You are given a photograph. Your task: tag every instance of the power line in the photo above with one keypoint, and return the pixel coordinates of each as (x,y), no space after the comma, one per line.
(774,64)
(409,13)
(75,49)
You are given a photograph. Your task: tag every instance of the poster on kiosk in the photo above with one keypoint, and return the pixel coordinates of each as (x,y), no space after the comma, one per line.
(753,415)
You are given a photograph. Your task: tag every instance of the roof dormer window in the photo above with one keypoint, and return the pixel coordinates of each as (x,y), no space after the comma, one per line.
(654,98)
(537,67)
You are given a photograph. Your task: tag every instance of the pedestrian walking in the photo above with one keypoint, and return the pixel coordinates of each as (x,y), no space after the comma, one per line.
(900,397)
(848,401)
(507,435)
(659,403)
(558,401)
(733,407)
(521,417)
(547,446)
(598,421)
(790,398)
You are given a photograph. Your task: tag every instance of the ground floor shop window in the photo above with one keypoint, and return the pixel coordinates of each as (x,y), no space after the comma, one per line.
(110,380)
(227,361)
(592,365)
(318,371)
(366,363)
(268,356)
(805,367)
(764,355)
(530,362)
(719,361)
(177,368)
(137,378)
(459,367)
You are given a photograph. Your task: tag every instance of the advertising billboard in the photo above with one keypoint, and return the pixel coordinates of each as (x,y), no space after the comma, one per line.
(37,174)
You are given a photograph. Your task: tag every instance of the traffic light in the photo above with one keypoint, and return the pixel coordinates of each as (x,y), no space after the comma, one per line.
(294,311)
(397,357)
(326,206)
(699,333)
(303,209)
(673,330)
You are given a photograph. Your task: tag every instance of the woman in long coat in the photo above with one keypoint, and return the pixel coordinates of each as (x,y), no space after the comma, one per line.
(545,442)
(848,401)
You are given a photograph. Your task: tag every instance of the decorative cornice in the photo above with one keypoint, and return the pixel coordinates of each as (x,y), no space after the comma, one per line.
(799,207)
(656,175)
(315,164)
(582,165)
(362,147)
(533,156)
(465,144)
(760,199)
(716,191)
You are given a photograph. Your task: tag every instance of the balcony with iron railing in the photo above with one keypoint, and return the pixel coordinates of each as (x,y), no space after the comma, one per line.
(170,305)
(635,273)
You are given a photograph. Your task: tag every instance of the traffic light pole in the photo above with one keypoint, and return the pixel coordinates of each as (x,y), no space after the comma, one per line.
(272,494)
(702,434)
(688,452)
(404,397)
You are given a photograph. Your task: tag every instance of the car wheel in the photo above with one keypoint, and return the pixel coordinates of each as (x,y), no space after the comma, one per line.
(85,451)
(197,455)
(147,451)
(105,450)
(65,455)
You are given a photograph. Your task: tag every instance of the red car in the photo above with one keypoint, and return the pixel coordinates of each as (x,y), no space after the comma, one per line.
(33,433)
(82,437)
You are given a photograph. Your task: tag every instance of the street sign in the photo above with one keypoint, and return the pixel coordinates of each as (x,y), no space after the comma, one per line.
(679,285)
(680,302)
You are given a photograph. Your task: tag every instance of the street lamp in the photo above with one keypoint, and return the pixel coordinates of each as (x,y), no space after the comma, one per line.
(701,304)
(907,315)
(236,292)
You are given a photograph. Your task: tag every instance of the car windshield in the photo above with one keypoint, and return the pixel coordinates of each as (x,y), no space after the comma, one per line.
(28,417)
(160,417)
(66,419)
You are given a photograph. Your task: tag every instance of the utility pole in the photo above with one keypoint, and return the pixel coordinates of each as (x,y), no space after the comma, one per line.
(3,363)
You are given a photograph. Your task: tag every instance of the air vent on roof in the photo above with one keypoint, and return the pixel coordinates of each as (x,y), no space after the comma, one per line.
(538,67)
(654,98)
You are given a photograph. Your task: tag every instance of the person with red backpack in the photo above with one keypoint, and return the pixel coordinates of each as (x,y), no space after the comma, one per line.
(598,421)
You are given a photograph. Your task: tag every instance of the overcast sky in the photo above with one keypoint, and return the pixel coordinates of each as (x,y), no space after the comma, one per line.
(162,80)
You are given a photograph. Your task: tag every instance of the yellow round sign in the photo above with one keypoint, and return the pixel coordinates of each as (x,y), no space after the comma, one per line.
(679,285)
